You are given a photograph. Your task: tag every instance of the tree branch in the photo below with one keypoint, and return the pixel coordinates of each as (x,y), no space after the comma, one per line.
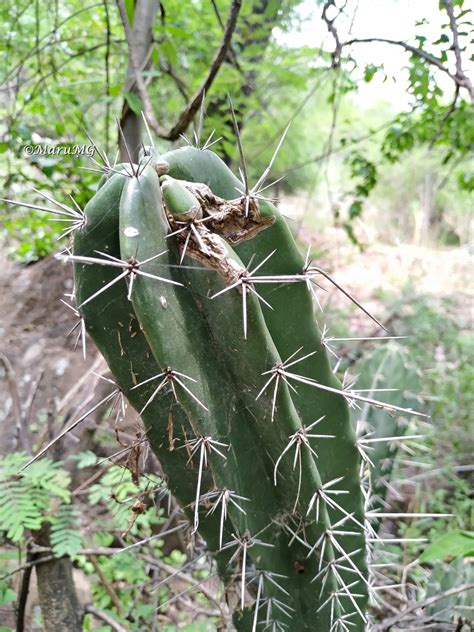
(182,88)
(194,103)
(107,74)
(460,80)
(23,596)
(18,67)
(419,52)
(388,623)
(190,110)
(459,77)
(139,43)
(446,116)
(336,54)
(103,616)
(107,585)
(232,55)
(463,79)
(454,29)
(171,570)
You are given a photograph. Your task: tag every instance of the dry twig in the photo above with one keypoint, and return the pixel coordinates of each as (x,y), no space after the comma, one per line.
(103,616)
(386,625)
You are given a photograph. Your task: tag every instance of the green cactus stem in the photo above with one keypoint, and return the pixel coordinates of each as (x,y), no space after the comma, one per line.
(195,292)
(212,319)
(379,434)
(292,326)
(112,324)
(223,405)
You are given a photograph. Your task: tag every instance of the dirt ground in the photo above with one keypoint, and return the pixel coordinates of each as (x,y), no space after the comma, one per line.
(384,271)
(33,331)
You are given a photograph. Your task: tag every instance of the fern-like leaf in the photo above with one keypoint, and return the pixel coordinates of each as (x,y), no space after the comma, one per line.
(65,534)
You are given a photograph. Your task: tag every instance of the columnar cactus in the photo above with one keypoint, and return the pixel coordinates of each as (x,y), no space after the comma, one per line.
(388,373)
(195,292)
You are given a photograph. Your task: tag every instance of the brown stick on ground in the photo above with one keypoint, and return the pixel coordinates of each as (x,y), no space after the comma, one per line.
(389,623)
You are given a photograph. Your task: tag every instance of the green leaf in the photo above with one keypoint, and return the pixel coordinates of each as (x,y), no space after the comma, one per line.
(130,7)
(466,181)
(155,56)
(352,236)
(169,51)
(86,459)
(355,209)
(115,90)
(369,72)
(177,32)
(134,102)
(65,534)
(450,546)
(443,38)
(9,596)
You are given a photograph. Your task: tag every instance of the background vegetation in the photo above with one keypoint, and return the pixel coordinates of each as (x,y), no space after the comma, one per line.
(377,179)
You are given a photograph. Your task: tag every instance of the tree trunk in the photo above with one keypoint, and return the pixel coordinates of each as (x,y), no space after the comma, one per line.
(131,123)
(58,599)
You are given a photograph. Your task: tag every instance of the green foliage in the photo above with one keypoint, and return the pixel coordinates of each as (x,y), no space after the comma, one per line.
(449,546)
(364,172)
(62,84)
(7,595)
(440,336)
(466,181)
(32,236)
(454,133)
(86,459)
(42,494)
(439,118)
(370,71)
(116,492)
(444,577)
(27,499)
(65,534)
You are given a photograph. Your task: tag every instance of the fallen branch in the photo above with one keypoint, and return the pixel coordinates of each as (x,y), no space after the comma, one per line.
(388,623)
(107,585)
(103,616)
(20,421)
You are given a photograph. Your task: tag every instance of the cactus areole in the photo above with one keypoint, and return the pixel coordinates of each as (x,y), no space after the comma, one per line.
(196,294)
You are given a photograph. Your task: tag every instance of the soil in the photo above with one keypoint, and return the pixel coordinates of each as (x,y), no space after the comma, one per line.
(33,335)
(382,272)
